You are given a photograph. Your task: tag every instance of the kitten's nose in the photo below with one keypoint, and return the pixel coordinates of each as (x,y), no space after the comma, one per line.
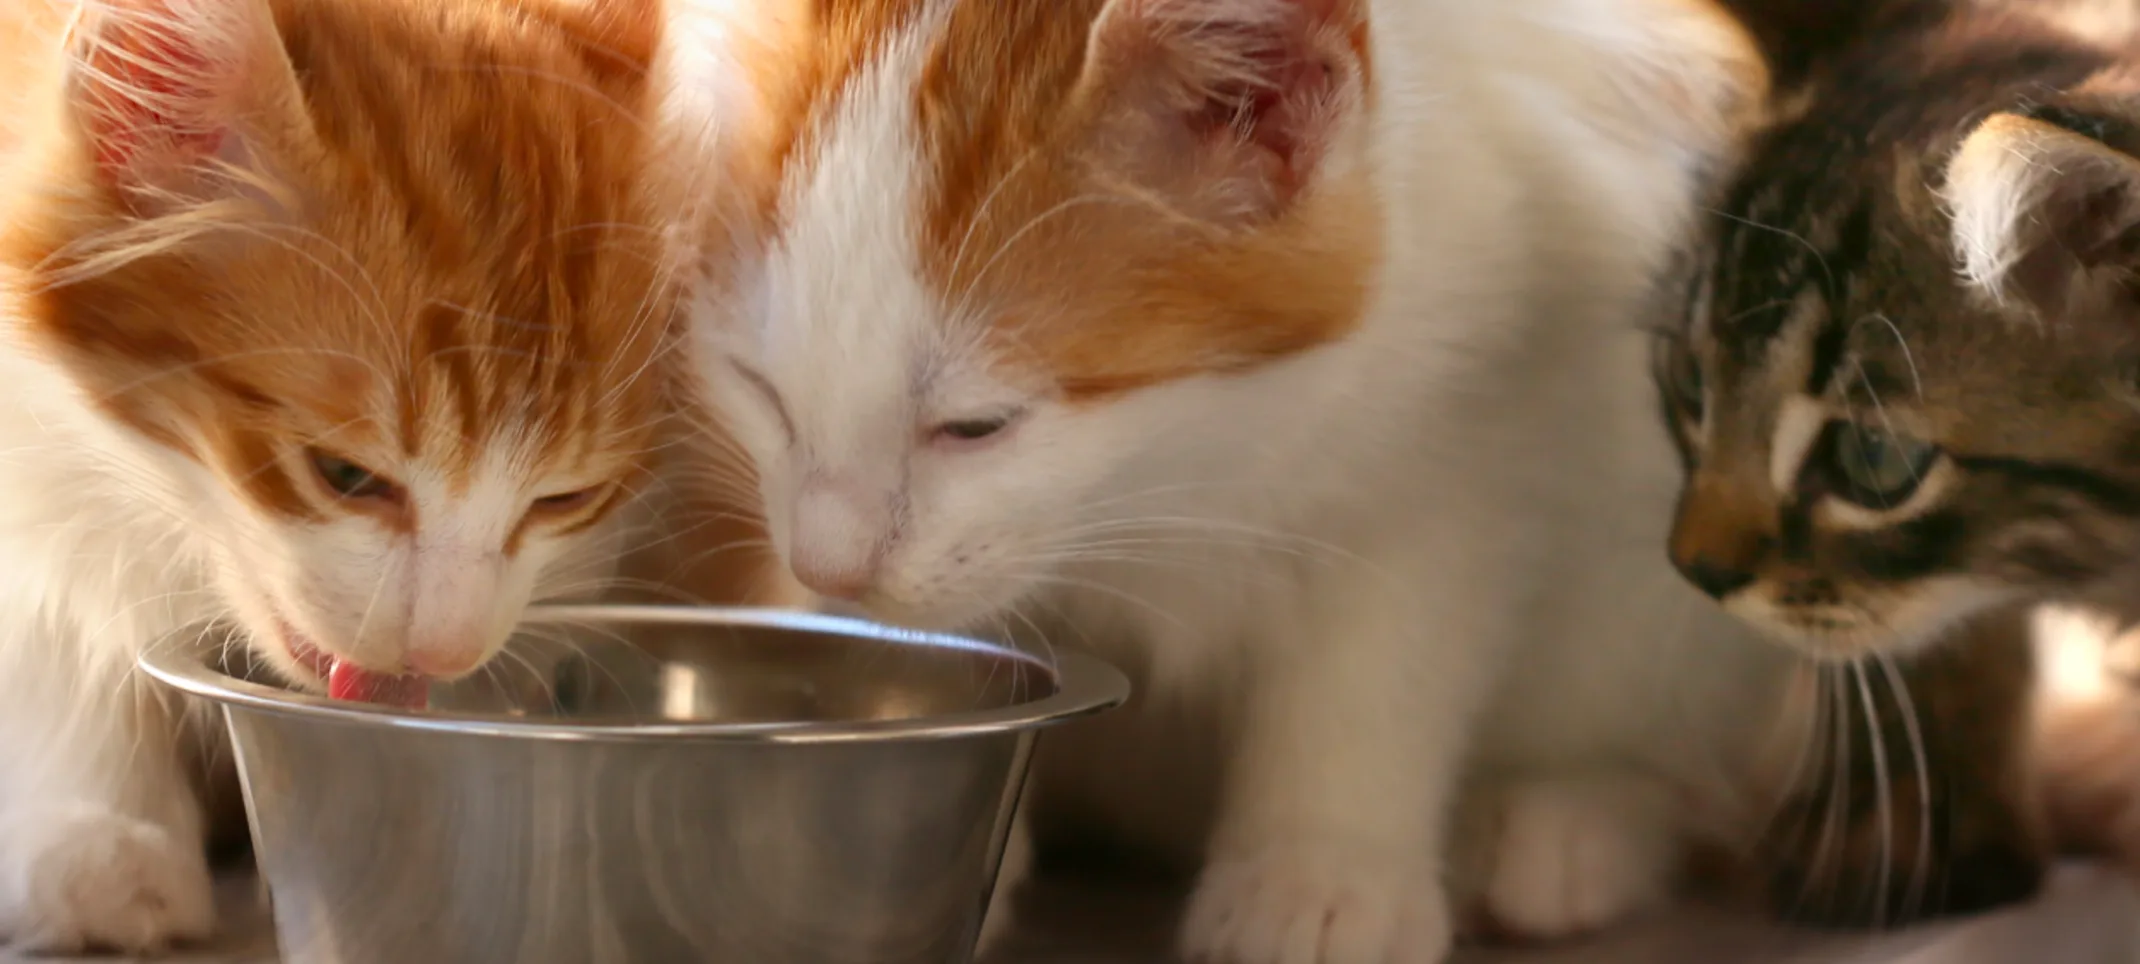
(838,542)
(1717,581)
(1722,533)
(832,581)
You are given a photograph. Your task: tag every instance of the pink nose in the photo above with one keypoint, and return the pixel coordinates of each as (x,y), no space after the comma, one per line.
(838,536)
(847,583)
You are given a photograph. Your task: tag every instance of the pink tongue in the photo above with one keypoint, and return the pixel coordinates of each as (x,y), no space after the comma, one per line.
(347,682)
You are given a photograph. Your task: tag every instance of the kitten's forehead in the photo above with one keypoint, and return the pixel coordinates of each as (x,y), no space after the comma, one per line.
(491,264)
(1776,301)
(1835,287)
(905,120)
(925,184)
(459,262)
(845,263)
(1839,196)
(981,81)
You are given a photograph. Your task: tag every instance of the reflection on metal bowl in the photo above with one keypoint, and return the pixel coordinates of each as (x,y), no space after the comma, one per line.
(650,784)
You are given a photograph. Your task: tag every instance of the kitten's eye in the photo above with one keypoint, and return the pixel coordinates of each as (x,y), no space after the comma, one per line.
(1879,469)
(1683,376)
(973,429)
(350,480)
(1678,372)
(564,502)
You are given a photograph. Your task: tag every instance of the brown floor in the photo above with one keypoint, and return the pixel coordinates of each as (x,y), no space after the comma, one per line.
(2088,916)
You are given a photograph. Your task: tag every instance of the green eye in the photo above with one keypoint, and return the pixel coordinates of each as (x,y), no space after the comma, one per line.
(1684,374)
(348,479)
(1678,372)
(1879,469)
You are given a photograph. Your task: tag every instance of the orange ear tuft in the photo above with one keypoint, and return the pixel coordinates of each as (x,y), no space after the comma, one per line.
(1230,105)
(154,84)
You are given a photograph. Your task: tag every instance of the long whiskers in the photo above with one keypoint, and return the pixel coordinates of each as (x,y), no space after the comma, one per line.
(1921,871)
(1881,789)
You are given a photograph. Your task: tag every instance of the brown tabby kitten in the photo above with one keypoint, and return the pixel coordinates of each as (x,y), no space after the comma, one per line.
(1905,389)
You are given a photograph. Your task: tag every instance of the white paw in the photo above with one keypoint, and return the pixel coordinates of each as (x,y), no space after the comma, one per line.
(1575,856)
(1310,905)
(1003,901)
(77,879)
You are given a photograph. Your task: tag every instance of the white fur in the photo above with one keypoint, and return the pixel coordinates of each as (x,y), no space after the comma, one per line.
(1580,852)
(2004,178)
(1798,425)
(1436,542)
(110,545)
(1993,184)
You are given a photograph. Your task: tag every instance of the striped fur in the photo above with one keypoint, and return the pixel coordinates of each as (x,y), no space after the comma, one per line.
(331,323)
(1932,242)
(1878,263)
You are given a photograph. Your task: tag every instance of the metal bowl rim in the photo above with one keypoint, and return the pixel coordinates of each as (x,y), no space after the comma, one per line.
(1084,686)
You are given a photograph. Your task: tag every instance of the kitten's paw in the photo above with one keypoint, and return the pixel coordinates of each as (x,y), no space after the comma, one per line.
(1574,856)
(78,879)
(1312,905)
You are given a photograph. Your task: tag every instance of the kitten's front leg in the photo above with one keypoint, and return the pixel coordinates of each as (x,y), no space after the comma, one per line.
(1330,843)
(1578,851)
(101,832)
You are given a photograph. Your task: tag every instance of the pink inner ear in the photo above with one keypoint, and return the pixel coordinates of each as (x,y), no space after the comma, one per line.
(1258,87)
(1272,107)
(149,97)
(1269,112)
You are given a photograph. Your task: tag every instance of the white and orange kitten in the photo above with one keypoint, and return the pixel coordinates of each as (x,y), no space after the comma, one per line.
(1286,351)
(327,323)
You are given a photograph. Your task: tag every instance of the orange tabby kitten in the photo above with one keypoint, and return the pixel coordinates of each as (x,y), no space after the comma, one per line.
(331,323)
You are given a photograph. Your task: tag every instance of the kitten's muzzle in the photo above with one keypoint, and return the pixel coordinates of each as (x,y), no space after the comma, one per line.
(1720,538)
(839,537)
(1715,580)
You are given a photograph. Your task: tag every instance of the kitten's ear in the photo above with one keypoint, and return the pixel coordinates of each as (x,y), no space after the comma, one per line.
(2046,208)
(1224,110)
(158,89)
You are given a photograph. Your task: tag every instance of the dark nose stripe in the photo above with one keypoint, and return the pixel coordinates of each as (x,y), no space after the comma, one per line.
(1717,581)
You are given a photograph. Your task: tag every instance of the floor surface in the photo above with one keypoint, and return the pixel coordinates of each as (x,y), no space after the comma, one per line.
(2089,915)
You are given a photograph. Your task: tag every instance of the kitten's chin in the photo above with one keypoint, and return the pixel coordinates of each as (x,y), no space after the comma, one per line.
(273,639)
(292,653)
(970,609)
(1824,641)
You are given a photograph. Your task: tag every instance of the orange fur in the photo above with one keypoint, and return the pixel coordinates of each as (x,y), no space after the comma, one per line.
(440,238)
(711,546)
(337,324)
(801,54)
(1094,271)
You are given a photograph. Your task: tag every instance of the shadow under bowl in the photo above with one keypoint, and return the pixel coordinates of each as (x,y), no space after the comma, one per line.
(649,784)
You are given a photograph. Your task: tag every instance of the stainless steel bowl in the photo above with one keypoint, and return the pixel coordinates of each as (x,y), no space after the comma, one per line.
(650,784)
